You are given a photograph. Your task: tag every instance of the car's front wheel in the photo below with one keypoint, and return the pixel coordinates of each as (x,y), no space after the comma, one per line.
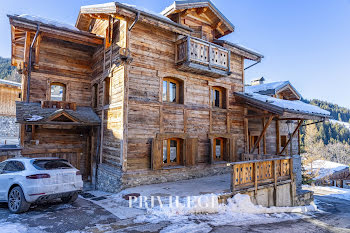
(17,202)
(70,199)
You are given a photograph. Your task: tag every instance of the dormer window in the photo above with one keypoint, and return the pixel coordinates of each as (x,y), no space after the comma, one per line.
(58,92)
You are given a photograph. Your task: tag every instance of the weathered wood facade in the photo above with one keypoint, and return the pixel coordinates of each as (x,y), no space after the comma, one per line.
(163,88)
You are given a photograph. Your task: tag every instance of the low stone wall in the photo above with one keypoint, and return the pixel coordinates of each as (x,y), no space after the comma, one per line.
(304,197)
(8,127)
(266,195)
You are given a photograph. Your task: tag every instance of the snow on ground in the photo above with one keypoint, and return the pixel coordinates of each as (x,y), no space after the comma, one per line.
(344,124)
(7,227)
(325,168)
(329,191)
(198,213)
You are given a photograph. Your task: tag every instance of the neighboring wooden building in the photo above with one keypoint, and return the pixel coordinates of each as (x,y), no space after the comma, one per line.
(10,92)
(169,93)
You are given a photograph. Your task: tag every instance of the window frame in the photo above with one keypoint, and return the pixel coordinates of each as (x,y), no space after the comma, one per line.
(64,94)
(285,141)
(177,91)
(222,144)
(178,152)
(252,142)
(107,91)
(221,97)
(4,171)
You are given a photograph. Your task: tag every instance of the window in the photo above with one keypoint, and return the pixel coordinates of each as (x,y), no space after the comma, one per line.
(217,97)
(219,149)
(253,140)
(95,95)
(58,92)
(171,151)
(107,91)
(2,166)
(13,166)
(171,90)
(51,164)
(283,140)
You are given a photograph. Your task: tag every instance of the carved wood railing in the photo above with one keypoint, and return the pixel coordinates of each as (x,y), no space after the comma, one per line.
(191,49)
(59,105)
(252,173)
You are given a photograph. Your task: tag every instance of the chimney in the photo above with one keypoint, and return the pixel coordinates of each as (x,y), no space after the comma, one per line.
(258,81)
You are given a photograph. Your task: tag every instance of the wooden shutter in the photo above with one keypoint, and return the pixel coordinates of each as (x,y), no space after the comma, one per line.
(211,155)
(191,151)
(156,154)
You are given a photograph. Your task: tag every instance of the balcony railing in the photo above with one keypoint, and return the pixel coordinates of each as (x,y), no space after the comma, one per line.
(254,173)
(202,57)
(59,105)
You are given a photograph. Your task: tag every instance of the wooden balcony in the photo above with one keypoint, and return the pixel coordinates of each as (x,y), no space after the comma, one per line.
(253,173)
(58,105)
(202,57)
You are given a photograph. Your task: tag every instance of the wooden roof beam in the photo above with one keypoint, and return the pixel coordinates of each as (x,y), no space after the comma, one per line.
(201,11)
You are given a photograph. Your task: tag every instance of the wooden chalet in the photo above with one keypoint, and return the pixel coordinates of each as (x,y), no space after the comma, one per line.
(169,94)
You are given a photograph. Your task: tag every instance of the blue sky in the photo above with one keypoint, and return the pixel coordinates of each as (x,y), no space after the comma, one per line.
(306,42)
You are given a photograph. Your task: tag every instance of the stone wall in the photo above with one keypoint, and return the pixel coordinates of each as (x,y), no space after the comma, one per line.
(8,127)
(297,171)
(109,178)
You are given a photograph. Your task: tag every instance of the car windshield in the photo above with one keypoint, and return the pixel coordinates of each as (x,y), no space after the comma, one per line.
(51,164)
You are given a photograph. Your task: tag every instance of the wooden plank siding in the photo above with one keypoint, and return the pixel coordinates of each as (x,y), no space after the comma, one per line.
(8,95)
(153,56)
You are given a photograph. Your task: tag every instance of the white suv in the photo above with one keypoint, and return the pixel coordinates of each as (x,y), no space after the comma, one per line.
(24,181)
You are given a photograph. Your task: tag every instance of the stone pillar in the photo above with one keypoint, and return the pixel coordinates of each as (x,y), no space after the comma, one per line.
(297,171)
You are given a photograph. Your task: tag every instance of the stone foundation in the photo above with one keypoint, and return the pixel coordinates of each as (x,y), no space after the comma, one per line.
(297,171)
(304,197)
(112,179)
(133,179)
(109,178)
(8,127)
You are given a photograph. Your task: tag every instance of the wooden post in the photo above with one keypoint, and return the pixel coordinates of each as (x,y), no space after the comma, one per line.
(246,132)
(233,178)
(264,137)
(292,184)
(256,178)
(299,141)
(278,138)
(275,181)
(102,119)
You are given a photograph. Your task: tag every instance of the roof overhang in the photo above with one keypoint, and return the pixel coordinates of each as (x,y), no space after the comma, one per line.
(190,4)
(240,50)
(117,10)
(282,112)
(76,36)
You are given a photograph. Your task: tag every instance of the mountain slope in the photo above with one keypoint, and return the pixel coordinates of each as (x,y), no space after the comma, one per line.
(7,71)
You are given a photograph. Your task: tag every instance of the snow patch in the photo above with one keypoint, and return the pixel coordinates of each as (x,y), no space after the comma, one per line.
(344,124)
(34,118)
(330,191)
(324,168)
(48,22)
(7,227)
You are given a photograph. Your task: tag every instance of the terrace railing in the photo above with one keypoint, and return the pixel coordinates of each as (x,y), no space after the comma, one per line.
(253,173)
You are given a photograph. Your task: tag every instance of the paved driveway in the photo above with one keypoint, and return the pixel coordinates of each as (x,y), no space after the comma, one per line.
(85,216)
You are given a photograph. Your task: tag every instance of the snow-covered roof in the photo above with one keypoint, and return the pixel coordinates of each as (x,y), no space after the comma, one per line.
(295,106)
(188,4)
(11,83)
(270,88)
(47,21)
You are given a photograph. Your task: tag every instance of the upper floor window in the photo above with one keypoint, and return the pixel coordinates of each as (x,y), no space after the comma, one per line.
(218,97)
(283,140)
(58,92)
(171,90)
(95,95)
(171,151)
(107,90)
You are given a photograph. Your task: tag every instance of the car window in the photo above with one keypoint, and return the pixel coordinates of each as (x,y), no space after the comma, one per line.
(2,166)
(13,166)
(51,164)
